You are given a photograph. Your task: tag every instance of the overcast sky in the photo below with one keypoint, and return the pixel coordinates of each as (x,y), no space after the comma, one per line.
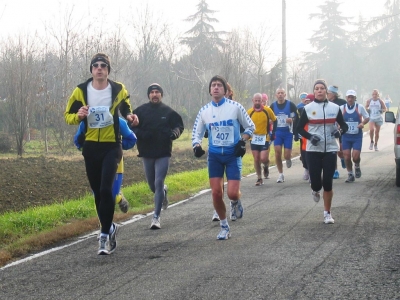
(29,15)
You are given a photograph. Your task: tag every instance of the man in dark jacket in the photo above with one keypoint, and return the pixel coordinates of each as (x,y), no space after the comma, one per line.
(160,126)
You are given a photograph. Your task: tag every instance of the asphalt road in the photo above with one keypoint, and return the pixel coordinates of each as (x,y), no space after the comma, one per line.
(279,250)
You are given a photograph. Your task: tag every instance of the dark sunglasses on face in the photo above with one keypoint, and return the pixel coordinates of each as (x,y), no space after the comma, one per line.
(96,65)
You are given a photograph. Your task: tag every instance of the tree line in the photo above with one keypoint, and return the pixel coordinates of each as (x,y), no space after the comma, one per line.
(39,71)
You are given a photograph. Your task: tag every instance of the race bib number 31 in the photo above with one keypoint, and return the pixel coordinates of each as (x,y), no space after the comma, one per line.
(99,117)
(222,135)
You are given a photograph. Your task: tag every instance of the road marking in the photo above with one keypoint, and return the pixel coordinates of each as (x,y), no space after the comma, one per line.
(135,218)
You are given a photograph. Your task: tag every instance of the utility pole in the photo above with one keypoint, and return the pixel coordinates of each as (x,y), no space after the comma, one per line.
(284,76)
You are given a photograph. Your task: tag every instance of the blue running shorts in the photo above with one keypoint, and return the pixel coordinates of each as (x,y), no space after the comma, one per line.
(352,141)
(284,138)
(219,164)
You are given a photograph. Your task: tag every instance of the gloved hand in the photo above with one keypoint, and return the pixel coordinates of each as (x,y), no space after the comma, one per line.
(336,133)
(296,137)
(271,136)
(240,148)
(315,140)
(174,134)
(198,151)
(206,134)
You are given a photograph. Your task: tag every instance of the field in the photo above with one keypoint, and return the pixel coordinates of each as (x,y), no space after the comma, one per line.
(40,180)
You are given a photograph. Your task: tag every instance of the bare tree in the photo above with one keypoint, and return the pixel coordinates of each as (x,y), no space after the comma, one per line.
(19,73)
(66,38)
(298,80)
(236,64)
(260,52)
(144,41)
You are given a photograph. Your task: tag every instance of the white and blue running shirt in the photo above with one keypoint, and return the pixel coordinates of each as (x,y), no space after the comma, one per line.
(222,120)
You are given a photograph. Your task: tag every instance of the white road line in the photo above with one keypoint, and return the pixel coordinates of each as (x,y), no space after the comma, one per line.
(90,235)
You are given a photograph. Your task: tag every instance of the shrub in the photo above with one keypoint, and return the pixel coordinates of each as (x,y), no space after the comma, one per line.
(5,143)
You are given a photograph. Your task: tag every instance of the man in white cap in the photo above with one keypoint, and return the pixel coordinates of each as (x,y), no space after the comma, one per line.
(356,116)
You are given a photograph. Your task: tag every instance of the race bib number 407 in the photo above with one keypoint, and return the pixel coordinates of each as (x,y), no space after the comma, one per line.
(222,135)
(99,117)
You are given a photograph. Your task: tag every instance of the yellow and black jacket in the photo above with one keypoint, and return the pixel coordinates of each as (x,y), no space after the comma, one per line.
(120,102)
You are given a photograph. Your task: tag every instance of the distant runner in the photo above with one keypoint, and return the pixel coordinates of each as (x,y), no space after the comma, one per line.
(356,117)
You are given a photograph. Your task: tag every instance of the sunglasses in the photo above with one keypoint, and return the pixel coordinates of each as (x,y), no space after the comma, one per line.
(96,65)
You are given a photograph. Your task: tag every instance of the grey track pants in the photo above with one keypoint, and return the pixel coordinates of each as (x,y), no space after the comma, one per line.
(156,170)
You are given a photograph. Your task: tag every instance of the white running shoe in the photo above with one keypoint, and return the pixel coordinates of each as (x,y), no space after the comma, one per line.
(215,217)
(316,196)
(288,163)
(350,178)
(104,247)
(236,210)
(155,223)
(371,145)
(306,175)
(376,147)
(328,219)
(224,233)
(281,178)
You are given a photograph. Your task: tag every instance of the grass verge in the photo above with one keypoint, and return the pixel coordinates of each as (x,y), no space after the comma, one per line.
(37,228)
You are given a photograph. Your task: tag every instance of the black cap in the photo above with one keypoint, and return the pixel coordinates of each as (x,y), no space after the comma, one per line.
(154,86)
(100,57)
